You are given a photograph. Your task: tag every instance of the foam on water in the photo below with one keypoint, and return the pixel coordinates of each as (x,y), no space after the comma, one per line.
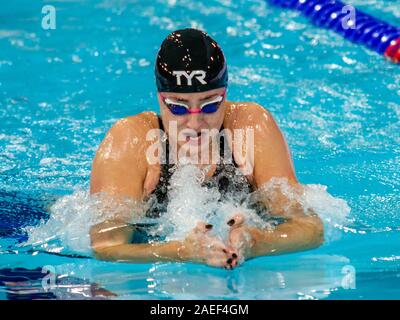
(72,216)
(333,211)
(190,202)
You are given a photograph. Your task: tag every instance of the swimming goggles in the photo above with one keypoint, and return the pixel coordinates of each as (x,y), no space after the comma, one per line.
(179,108)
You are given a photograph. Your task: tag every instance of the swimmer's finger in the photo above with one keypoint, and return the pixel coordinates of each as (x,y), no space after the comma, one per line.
(236,221)
(235,237)
(218,247)
(220,262)
(228,267)
(230,264)
(218,251)
(235,262)
(202,227)
(231,252)
(239,239)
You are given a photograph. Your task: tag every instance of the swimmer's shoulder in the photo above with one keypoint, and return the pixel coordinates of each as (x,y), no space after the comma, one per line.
(136,126)
(128,134)
(246,114)
(142,122)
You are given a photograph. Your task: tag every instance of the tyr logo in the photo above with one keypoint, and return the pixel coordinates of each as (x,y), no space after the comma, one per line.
(189,76)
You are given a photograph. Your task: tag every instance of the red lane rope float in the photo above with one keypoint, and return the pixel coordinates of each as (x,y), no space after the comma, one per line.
(393,51)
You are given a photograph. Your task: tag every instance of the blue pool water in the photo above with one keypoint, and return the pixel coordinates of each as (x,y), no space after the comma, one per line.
(337,103)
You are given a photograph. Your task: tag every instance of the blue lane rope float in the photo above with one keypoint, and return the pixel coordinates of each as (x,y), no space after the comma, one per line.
(364,29)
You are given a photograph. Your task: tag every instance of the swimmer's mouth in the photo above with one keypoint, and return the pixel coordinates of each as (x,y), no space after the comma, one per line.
(194,137)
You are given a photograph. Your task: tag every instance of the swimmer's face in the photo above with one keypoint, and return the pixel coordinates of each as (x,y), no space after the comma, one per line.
(194,121)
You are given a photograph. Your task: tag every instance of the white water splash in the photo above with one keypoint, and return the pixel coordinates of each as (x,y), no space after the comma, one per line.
(190,201)
(333,211)
(71,217)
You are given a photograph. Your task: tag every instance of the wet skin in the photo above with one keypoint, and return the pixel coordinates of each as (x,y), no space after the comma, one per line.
(121,169)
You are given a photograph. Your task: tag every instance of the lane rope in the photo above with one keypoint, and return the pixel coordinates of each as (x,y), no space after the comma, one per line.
(351,23)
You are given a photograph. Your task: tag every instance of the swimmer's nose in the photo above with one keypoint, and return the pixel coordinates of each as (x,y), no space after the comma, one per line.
(194,121)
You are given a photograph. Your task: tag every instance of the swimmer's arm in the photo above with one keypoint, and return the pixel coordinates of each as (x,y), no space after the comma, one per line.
(302,230)
(141,253)
(298,233)
(110,241)
(119,167)
(120,171)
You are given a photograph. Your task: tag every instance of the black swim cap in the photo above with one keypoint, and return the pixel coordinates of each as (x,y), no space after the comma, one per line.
(190,61)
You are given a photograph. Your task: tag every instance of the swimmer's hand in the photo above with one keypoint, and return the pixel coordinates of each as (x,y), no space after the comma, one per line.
(199,246)
(240,237)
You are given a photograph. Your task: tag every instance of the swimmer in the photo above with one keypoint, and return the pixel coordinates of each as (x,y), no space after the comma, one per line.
(192,79)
